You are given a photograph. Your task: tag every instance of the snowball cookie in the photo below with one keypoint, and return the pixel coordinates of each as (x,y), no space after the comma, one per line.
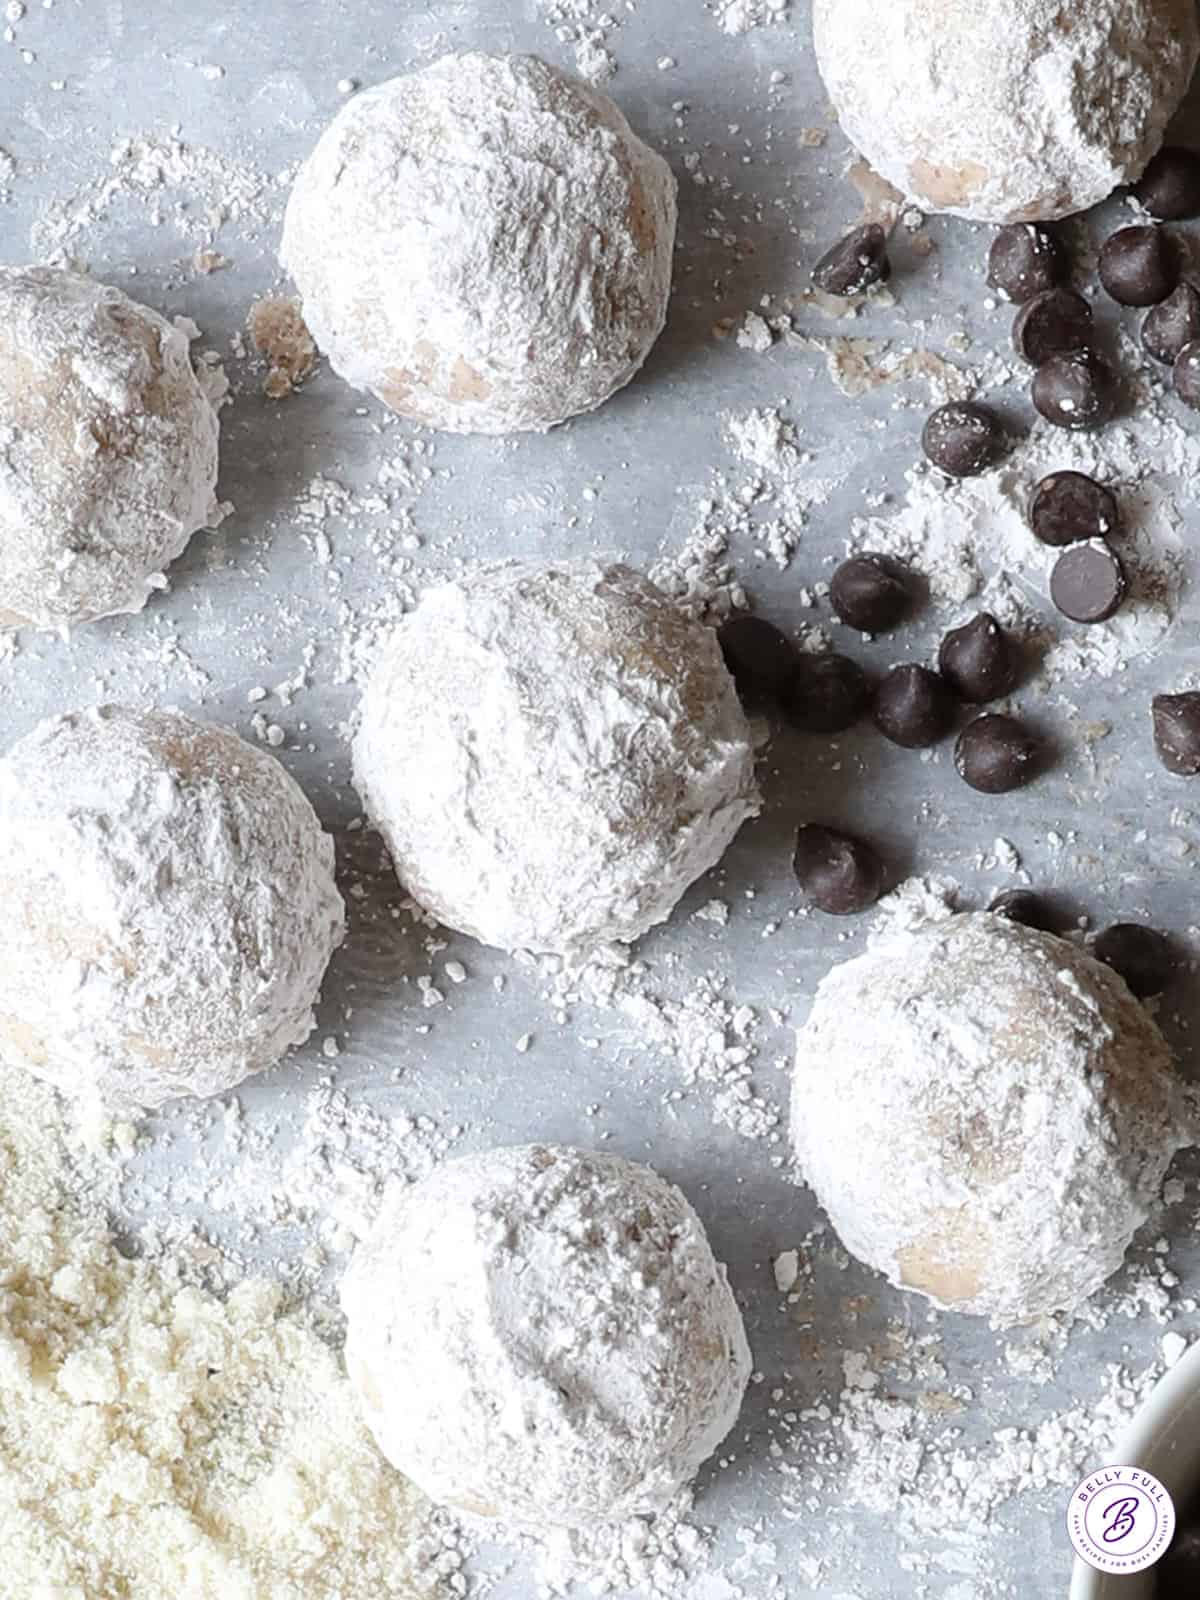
(167,907)
(553,754)
(1006,110)
(986,1114)
(485,244)
(542,1335)
(108,449)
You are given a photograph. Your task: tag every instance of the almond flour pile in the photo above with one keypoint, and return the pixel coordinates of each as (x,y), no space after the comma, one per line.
(155,1440)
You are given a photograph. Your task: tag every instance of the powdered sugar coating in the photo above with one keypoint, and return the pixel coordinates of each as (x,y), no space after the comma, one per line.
(167,907)
(108,449)
(1006,110)
(541,1335)
(986,1114)
(553,754)
(484,244)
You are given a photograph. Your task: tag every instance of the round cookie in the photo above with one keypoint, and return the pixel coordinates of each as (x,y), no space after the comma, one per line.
(553,754)
(167,907)
(484,244)
(108,449)
(986,1114)
(541,1335)
(978,108)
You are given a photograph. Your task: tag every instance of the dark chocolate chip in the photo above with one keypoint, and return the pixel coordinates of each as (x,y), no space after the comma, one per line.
(963,439)
(1187,375)
(913,707)
(760,659)
(1169,189)
(856,263)
(869,593)
(1069,506)
(1054,321)
(1026,260)
(996,753)
(1026,908)
(1075,390)
(838,873)
(1139,266)
(1140,955)
(827,694)
(1176,322)
(1177,731)
(977,660)
(1177,1576)
(1088,583)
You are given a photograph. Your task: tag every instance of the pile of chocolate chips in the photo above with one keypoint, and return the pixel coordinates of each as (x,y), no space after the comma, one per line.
(913,706)
(1072,387)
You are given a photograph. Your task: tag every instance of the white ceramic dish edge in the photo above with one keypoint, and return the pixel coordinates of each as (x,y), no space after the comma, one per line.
(1163,1438)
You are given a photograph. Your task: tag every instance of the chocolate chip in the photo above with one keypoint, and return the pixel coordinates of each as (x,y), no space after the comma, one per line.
(1025,907)
(1069,506)
(963,439)
(1088,583)
(996,753)
(1177,731)
(827,694)
(760,659)
(1140,955)
(913,707)
(856,263)
(1054,321)
(869,593)
(1139,266)
(1169,189)
(1025,260)
(977,660)
(1187,375)
(1168,327)
(1075,390)
(838,873)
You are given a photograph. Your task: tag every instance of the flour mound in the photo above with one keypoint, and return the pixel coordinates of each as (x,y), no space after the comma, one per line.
(541,1335)
(157,1441)
(553,754)
(108,449)
(484,244)
(167,907)
(986,1114)
(1006,110)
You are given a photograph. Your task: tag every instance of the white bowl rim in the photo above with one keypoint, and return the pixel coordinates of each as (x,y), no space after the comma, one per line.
(1139,1446)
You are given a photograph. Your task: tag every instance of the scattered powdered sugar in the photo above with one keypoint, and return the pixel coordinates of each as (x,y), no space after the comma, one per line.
(741,16)
(902,1462)
(649,1557)
(773,503)
(585,26)
(694,1024)
(971,539)
(212,189)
